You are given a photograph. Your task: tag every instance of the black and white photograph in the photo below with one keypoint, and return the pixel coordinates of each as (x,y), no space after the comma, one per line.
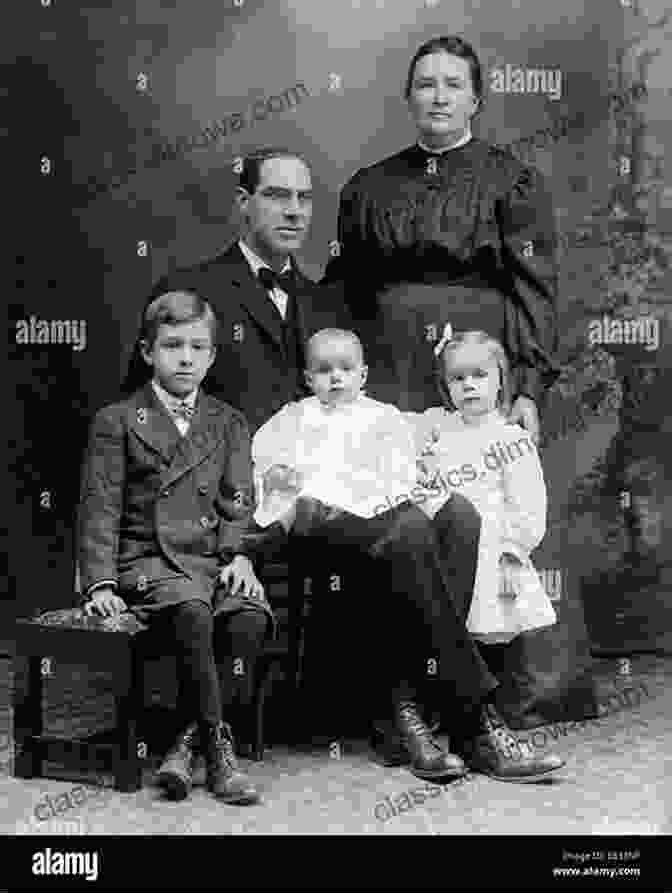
(339,452)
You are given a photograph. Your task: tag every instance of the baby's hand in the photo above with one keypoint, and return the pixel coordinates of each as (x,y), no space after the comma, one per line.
(423,472)
(428,471)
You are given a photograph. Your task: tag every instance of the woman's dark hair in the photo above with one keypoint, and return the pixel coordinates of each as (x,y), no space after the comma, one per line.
(251,168)
(455,46)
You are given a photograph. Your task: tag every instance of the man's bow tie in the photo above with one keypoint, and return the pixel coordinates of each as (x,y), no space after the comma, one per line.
(272,280)
(182,411)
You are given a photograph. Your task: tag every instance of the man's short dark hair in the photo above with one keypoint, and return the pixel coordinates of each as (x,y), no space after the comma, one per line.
(251,170)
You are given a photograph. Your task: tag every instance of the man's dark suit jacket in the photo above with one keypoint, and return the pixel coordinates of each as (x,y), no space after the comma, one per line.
(252,371)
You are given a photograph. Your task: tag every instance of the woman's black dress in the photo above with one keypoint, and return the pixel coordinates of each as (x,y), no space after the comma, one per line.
(466,237)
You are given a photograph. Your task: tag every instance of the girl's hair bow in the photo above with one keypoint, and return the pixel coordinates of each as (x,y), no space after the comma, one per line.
(443,341)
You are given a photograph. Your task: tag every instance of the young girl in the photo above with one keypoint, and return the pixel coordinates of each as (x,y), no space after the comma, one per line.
(469,448)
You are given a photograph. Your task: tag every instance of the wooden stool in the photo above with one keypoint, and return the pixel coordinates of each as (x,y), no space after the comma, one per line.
(121,647)
(113,645)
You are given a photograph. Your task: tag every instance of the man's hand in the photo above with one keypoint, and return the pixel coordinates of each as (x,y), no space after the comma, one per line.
(239,575)
(524,412)
(105,602)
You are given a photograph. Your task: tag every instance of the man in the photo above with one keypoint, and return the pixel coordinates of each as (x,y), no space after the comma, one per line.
(267,308)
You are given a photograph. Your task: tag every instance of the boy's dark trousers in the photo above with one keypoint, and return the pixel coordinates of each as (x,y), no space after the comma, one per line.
(410,600)
(215,659)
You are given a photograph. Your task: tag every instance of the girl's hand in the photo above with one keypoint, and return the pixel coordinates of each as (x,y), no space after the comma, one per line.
(507,563)
(106,603)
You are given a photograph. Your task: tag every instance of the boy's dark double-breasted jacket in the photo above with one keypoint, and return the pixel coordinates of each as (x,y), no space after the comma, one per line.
(160,514)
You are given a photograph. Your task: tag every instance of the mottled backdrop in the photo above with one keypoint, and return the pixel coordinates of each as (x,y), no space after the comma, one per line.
(131,117)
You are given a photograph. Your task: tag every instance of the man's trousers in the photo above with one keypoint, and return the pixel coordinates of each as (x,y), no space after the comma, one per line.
(409,597)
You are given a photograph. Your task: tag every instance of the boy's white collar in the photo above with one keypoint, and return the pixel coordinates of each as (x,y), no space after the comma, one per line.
(169,400)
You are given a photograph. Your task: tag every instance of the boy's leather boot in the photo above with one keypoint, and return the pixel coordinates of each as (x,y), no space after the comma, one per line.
(177,770)
(494,750)
(224,779)
(410,741)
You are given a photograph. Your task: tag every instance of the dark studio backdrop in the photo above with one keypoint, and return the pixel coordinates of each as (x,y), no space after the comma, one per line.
(131,117)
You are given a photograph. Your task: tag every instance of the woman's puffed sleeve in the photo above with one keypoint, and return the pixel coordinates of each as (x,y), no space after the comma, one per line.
(528,237)
(350,260)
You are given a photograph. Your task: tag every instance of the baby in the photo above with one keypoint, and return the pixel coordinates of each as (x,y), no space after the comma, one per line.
(337,450)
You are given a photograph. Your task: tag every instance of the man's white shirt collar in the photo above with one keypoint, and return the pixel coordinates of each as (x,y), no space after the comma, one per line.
(256,263)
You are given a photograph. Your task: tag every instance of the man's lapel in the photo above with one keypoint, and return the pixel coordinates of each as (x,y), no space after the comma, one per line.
(303,299)
(251,294)
(205,434)
(153,424)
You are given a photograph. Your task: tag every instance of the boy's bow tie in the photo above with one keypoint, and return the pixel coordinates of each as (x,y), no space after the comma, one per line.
(182,411)
(272,280)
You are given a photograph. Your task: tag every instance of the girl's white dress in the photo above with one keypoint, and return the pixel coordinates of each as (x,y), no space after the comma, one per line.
(497,467)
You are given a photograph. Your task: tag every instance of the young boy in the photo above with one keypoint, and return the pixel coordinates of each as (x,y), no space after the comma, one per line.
(165,506)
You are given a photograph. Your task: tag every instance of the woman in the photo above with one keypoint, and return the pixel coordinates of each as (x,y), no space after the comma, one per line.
(449,230)
(453,230)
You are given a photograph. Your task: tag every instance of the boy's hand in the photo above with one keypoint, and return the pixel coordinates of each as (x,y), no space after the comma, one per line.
(239,574)
(105,602)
